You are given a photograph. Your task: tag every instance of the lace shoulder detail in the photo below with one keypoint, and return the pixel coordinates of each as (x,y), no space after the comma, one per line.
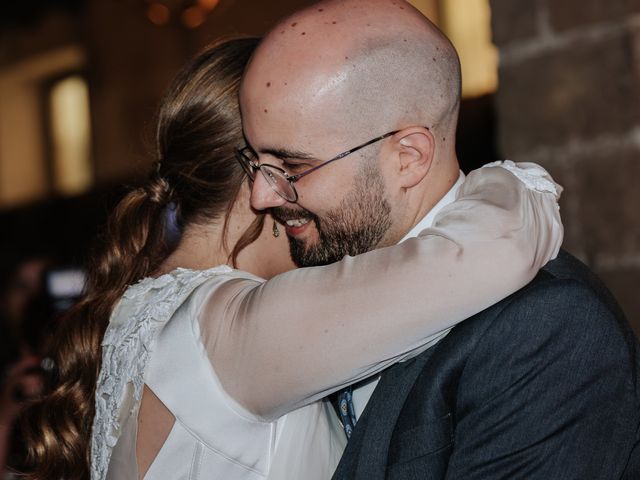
(137,318)
(533,176)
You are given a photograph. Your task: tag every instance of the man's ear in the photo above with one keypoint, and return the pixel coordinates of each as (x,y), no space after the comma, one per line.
(416,150)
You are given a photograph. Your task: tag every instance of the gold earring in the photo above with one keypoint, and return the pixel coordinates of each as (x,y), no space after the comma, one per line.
(275,231)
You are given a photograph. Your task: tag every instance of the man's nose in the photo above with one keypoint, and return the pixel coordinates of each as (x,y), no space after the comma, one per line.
(263,195)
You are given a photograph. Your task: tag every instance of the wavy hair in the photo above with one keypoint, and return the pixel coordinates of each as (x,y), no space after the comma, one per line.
(196,175)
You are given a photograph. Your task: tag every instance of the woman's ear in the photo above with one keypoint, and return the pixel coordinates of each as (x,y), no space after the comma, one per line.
(416,150)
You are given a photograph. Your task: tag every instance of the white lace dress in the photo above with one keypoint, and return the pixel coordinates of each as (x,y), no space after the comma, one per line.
(216,345)
(211,432)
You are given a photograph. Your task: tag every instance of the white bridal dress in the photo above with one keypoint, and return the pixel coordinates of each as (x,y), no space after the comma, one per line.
(242,364)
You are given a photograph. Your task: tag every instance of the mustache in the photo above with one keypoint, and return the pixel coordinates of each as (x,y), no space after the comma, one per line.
(282,214)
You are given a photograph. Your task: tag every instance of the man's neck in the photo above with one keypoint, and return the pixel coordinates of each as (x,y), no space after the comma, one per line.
(427,219)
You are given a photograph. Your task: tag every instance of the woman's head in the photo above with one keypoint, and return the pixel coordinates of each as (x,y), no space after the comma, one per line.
(196,175)
(198,130)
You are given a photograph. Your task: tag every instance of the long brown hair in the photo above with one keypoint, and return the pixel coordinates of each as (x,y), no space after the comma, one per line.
(195,176)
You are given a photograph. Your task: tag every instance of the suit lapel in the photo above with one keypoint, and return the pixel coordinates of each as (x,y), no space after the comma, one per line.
(375,427)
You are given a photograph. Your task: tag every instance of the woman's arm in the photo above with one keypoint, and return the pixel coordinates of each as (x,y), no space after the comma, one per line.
(286,342)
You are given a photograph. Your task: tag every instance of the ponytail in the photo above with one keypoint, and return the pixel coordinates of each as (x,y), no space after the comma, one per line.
(57,428)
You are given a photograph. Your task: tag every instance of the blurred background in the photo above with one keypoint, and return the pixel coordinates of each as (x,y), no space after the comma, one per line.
(555,82)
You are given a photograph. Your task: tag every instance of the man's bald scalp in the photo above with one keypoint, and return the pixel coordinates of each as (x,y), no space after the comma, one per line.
(380,64)
(399,82)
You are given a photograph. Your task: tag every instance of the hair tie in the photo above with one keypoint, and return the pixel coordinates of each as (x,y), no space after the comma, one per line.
(171,227)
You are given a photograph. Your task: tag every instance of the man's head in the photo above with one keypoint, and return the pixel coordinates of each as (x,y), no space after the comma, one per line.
(335,76)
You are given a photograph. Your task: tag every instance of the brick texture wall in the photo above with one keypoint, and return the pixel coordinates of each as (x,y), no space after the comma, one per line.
(569,99)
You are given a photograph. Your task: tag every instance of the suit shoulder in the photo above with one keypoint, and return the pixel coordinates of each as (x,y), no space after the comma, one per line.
(559,328)
(555,310)
(567,266)
(547,290)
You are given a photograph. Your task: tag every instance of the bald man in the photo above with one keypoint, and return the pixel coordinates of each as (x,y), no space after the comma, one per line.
(349,110)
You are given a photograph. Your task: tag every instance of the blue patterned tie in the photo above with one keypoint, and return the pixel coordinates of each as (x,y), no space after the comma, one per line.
(347,411)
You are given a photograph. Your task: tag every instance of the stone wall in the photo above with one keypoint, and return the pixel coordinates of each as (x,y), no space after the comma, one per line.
(569,99)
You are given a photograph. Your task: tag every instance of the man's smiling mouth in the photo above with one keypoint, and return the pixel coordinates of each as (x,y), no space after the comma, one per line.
(297,222)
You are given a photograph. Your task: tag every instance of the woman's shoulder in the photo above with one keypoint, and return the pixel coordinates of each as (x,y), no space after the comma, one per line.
(139,316)
(176,280)
(152,301)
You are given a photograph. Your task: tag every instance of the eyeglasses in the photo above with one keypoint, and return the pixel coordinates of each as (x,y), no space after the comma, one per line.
(279,179)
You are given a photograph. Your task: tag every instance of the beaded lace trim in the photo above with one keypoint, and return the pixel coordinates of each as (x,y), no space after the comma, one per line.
(125,351)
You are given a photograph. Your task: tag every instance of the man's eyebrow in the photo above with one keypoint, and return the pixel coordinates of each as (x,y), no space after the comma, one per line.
(287,154)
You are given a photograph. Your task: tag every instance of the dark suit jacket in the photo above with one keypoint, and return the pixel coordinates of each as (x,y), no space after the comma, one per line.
(543,385)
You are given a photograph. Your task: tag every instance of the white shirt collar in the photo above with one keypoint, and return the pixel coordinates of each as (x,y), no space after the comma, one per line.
(427,221)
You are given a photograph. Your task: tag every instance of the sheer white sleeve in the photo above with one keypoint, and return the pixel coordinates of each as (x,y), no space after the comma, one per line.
(279,344)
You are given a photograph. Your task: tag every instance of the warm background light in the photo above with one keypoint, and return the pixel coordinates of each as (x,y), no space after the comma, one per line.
(193,17)
(208,4)
(26,133)
(468,24)
(158,14)
(428,7)
(70,129)
(192,13)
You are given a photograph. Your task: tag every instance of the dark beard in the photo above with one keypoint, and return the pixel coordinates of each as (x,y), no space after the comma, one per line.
(356,226)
